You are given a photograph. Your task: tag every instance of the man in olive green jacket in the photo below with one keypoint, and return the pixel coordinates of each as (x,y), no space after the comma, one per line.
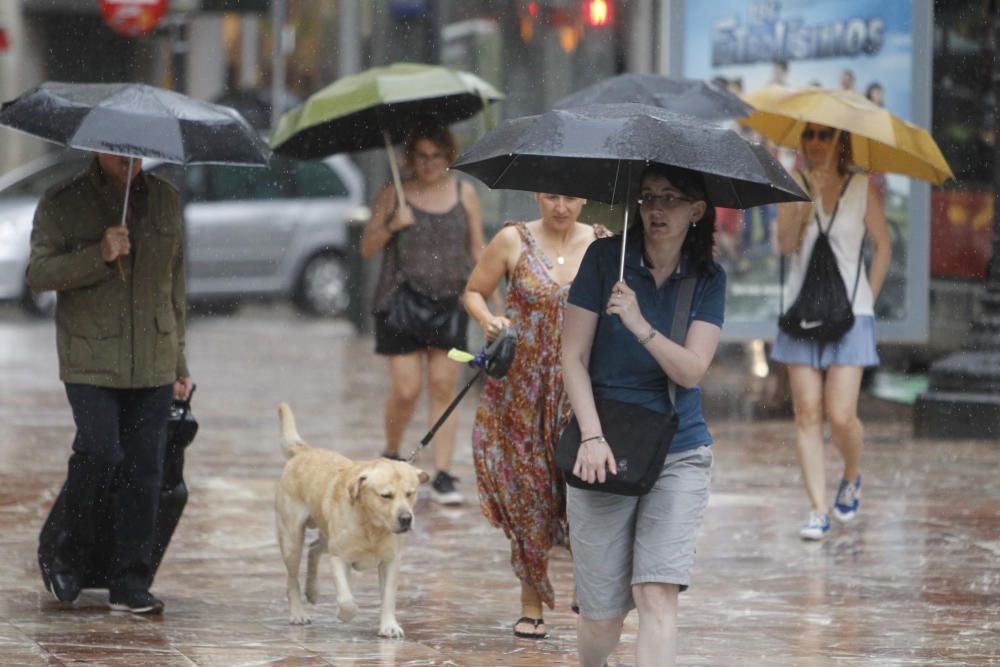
(120,323)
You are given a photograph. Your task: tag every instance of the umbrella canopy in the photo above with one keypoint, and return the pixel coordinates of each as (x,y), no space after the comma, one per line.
(355,112)
(880,141)
(687,96)
(598,152)
(135,120)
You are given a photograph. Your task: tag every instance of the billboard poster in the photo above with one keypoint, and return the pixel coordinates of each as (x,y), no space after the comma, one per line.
(865,45)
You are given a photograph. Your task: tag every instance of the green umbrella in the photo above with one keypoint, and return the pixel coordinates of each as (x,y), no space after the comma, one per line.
(377,108)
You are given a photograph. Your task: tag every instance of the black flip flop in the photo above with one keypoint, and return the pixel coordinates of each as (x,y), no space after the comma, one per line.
(535,622)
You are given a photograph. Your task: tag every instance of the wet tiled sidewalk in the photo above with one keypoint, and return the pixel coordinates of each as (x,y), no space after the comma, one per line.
(914,581)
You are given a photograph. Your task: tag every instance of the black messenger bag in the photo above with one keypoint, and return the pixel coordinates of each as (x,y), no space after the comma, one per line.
(639,437)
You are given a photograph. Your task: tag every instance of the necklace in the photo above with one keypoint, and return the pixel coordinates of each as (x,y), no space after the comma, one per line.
(560,258)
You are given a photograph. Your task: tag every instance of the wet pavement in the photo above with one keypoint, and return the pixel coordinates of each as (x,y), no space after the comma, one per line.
(915,580)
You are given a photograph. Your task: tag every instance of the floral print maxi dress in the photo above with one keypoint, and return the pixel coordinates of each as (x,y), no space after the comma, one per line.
(519,420)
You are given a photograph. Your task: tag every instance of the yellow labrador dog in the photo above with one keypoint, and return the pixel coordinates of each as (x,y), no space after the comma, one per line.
(360,508)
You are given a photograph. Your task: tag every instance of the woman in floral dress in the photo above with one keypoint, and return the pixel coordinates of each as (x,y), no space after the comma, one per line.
(521,416)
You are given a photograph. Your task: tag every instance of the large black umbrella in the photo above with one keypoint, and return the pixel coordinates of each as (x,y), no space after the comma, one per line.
(693,97)
(136,120)
(598,152)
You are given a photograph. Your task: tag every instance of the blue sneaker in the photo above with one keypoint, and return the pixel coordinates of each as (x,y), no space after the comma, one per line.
(845,507)
(817,527)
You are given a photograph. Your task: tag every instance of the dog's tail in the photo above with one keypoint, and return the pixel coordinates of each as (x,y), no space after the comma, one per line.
(291,441)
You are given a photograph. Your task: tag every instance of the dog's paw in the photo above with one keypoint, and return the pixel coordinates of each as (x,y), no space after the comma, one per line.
(347,610)
(301,618)
(391,630)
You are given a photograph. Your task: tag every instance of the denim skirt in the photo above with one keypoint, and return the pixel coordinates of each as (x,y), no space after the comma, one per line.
(855,348)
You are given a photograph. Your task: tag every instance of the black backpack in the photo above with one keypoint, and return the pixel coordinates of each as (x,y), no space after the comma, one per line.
(821,311)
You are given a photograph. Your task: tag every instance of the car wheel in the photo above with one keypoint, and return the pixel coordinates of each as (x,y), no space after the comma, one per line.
(38,304)
(323,286)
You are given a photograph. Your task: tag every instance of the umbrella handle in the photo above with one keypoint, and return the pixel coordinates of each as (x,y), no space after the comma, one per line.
(128,191)
(397,181)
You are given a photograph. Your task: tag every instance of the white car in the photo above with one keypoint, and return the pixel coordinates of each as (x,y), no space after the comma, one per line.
(276,232)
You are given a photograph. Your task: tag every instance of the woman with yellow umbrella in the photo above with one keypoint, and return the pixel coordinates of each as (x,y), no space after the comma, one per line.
(837,132)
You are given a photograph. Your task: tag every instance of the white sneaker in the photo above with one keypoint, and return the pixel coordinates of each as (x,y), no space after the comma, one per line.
(443,489)
(817,527)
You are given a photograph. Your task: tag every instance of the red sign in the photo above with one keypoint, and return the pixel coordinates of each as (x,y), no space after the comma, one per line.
(961,233)
(132,18)
(4,42)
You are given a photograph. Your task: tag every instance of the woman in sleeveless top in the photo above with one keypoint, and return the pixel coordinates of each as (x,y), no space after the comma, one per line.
(521,415)
(825,378)
(430,244)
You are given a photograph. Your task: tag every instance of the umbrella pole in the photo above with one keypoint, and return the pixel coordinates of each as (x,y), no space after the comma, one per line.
(621,263)
(128,190)
(397,181)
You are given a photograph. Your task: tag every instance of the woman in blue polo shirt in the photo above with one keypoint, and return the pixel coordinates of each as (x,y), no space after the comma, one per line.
(637,552)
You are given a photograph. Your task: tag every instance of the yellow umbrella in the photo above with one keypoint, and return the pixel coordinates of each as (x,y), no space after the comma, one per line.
(880,141)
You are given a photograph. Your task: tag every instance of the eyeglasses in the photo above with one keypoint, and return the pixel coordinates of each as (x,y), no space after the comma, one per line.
(823,135)
(668,200)
(428,157)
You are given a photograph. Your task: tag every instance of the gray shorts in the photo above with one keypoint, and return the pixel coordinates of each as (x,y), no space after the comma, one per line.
(620,541)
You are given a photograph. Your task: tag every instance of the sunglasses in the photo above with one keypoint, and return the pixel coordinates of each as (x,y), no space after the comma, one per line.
(823,135)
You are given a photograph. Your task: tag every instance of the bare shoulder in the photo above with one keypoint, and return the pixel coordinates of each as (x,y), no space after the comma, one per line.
(386,193)
(467,191)
(507,240)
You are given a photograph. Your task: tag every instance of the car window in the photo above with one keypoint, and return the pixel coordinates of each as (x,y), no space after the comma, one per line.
(316,179)
(171,173)
(229,182)
(35,185)
(196,182)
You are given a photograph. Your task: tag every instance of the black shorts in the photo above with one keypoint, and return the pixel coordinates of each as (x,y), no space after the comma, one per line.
(389,341)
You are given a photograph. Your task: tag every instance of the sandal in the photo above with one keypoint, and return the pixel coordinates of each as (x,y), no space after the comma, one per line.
(535,622)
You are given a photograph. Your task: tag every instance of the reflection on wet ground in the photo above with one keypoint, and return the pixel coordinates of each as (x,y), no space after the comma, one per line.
(914,581)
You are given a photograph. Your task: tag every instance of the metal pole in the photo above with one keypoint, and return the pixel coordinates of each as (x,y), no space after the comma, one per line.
(179,51)
(432,32)
(278,16)
(349,38)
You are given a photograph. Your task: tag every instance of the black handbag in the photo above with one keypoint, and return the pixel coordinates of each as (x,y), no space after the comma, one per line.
(638,437)
(822,311)
(424,317)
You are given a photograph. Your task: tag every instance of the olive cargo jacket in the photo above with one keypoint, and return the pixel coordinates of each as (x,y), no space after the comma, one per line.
(112,332)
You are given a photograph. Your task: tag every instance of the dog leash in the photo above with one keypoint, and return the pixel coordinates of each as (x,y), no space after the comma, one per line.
(494,360)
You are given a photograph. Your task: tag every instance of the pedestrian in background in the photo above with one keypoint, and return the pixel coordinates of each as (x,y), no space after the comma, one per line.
(825,378)
(638,551)
(120,324)
(430,245)
(521,415)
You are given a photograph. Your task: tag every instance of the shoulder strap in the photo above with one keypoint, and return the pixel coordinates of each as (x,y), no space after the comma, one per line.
(836,207)
(679,327)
